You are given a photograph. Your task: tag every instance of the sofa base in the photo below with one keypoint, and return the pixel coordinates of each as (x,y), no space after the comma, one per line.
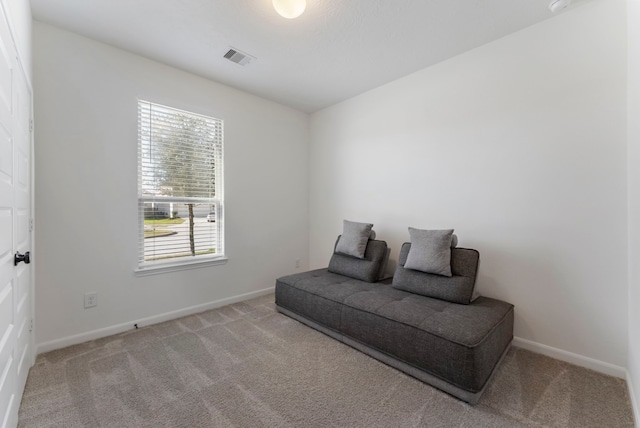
(436,382)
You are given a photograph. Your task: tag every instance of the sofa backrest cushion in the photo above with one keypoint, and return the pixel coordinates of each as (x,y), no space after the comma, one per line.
(369,269)
(456,289)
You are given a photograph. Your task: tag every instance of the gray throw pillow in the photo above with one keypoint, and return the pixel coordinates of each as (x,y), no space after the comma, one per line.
(353,241)
(430,251)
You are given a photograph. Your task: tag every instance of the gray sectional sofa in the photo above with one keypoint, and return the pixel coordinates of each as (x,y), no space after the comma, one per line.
(428,326)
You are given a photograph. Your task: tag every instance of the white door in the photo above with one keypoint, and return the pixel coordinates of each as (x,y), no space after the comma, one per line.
(16,341)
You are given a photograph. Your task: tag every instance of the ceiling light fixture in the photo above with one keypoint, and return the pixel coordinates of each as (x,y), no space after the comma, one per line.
(289,8)
(559,5)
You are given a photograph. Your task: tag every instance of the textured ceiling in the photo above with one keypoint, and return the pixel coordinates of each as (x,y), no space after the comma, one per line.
(335,50)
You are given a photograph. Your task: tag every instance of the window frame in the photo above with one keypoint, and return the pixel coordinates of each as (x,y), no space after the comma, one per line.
(144,267)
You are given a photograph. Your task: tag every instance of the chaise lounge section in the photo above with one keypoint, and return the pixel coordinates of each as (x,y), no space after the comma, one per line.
(452,341)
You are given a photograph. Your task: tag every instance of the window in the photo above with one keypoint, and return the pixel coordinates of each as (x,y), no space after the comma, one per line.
(180,204)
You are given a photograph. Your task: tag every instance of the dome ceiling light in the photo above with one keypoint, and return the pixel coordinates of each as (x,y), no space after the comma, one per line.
(290,9)
(557,6)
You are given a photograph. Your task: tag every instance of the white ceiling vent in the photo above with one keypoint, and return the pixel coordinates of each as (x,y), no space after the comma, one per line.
(238,57)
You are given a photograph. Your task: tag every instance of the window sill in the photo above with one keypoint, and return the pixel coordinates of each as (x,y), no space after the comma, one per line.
(155,269)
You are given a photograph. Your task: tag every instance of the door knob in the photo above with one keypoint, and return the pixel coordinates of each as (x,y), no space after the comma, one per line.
(17,258)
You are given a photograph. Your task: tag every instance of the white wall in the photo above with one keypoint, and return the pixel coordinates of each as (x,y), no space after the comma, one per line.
(633,25)
(86,188)
(520,145)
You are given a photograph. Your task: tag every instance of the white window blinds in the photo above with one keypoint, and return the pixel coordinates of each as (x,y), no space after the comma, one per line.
(180,201)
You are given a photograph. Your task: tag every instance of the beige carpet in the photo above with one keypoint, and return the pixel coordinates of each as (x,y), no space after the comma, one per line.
(245,365)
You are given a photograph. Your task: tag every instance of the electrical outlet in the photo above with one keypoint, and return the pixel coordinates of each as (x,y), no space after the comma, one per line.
(90,300)
(297,263)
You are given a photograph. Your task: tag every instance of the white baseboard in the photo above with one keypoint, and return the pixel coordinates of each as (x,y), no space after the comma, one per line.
(570,357)
(634,401)
(115,329)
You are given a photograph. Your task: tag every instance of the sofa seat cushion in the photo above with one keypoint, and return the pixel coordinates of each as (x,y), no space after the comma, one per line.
(460,344)
(326,284)
(461,324)
(318,295)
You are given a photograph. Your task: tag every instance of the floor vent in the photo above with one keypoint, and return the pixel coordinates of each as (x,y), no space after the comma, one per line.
(239,57)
